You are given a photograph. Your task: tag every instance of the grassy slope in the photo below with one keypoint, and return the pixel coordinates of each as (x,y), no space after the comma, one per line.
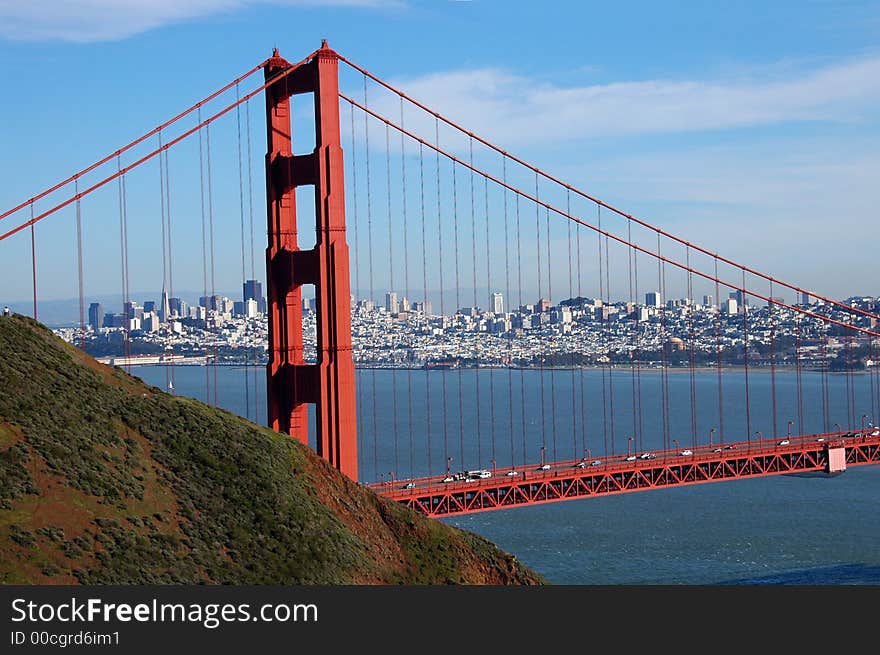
(106,480)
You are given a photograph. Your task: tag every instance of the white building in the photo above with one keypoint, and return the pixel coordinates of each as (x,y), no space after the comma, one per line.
(251,308)
(497,303)
(150,322)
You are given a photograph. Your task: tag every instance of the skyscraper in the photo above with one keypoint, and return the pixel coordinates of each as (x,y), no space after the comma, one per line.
(250,308)
(253,289)
(497,303)
(131,309)
(96,315)
(741,299)
(391,302)
(164,307)
(652,299)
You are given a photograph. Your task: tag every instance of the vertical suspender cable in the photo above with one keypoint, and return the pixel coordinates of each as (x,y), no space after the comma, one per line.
(871,376)
(79,263)
(247,378)
(164,255)
(355,194)
(370,269)
(850,382)
(406,290)
(871,379)
(718,353)
(824,377)
(459,328)
(250,169)
(170,253)
(608,342)
(745,314)
(798,374)
(667,413)
(632,319)
(638,351)
(772,361)
(552,361)
(476,302)
(540,320)
(442,287)
(570,346)
(664,380)
(34,260)
(425,321)
(123,247)
(393,310)
(507,299)
(488,288)
(212,301)
(874,373)
(582,352)
(522,371)
(207,300)
(691,340)
(602,310)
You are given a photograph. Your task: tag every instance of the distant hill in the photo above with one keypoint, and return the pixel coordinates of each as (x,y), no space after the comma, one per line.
(104,479)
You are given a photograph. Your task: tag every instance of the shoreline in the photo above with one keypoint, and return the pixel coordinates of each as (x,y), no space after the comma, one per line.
(625,369)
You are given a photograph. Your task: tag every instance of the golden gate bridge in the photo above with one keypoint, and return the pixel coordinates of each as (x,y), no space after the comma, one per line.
(405,197)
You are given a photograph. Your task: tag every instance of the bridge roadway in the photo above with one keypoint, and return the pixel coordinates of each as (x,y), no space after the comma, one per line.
(828,453)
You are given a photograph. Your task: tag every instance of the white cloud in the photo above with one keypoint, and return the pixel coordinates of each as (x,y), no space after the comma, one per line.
(768,198)
(800,209)
(109,20)
(516,110)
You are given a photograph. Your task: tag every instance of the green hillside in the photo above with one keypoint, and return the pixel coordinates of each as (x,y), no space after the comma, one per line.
(106,480)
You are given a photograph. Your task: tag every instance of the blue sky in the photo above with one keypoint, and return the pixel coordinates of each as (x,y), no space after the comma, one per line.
(750,127)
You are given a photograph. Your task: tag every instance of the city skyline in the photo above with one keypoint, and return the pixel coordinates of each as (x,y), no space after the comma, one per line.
(573,332)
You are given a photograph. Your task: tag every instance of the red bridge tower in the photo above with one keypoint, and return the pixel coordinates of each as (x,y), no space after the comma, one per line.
(292,383)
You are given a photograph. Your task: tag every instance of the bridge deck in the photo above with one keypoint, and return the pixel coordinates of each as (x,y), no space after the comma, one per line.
(556,481)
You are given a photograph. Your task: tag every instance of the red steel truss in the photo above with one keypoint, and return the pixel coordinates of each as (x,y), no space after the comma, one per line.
(578,479)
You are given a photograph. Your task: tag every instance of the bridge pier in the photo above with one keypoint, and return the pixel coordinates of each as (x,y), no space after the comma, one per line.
(835,459)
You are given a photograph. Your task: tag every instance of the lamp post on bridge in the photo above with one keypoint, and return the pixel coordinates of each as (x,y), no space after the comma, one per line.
(677,446)
(448,466)
(864,416)
(542,455)
(711,432)
(587,455)
(789,428)
(391,478)
(494,470)
(628,441)
(839,429)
